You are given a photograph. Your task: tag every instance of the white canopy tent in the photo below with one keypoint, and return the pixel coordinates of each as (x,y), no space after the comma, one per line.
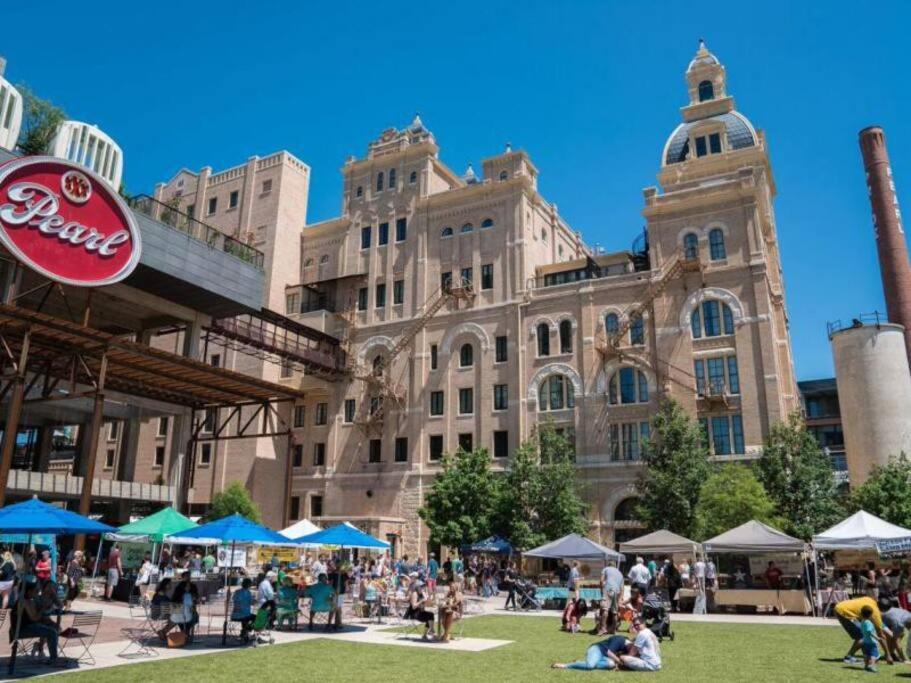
(753,537)
(661,542)
(302,528)
(860,531)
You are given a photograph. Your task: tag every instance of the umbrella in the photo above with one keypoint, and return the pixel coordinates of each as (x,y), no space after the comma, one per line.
(345,535)
(37,517)
(233,529)
(155,527)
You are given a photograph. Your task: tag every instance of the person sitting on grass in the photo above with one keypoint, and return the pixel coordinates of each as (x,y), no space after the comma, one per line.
(321,599)
(849,614)
(576,608)
(242,609)
(597,655)
(869,642)
(644,654)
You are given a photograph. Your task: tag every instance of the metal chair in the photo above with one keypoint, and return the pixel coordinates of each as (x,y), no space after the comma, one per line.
(82,635)
(140,635)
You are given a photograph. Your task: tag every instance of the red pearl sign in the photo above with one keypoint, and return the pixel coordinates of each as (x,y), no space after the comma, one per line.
(64,222)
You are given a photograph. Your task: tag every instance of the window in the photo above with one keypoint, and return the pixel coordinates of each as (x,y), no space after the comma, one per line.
(159,456)
(109,458)
(625,440)
(191,210)
(392,178)
(205,454)
(544,235)
(501,444)
(322,413)
(637,331)
(468,227)
(365,237)
(721,436)
(382,237)
(503,175)
(232,200)
(466,442)
(413,178)
(360,191)
(726,434)
(380,296)
(466,401)
(436,447)
(324,259)
(349,410)
(434,357)
(611,324)
(401,449)
(437,401)
(466,356)
(113,431)
(376,403)
(701,149)
(292,303)
(267,186)
(401,229)
(308,263)
(319,455)
(467,276)
(362,299)
(500,396)
(690,246)
(300,416)
(379,181)
(446,232)
(566,336)
(543,332)
(556,393)
(213,205)
(286,370)
(717,376)
(733,375)
(295,510)
(446,281)
(316,506)
(715,143)
(162,426)
(487,223)
(398,292)
(716,244)
(208,424)
(215,360)
(376,450)
(501,350)
(712,319)
(706,91)
(487,276)
(627,385)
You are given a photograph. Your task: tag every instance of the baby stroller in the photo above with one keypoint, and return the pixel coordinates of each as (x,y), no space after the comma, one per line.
(656,614)
(525,594)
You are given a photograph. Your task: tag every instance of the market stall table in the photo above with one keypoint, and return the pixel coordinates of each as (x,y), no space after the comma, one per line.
(793,601)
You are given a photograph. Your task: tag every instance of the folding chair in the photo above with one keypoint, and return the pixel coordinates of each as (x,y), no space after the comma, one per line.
(320,616)
(83,631)
(140,635)
(471,607)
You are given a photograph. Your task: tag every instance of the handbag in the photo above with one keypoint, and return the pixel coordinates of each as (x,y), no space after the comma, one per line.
(177,639)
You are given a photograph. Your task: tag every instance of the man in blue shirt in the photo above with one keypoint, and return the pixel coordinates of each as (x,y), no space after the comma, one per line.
(433,570)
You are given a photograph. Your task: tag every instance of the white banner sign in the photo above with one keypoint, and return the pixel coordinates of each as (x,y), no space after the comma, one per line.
(225,559)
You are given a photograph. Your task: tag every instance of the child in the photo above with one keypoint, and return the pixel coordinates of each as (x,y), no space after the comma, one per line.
(869,645)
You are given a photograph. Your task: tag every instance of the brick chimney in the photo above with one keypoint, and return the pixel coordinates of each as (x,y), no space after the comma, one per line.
(890,236)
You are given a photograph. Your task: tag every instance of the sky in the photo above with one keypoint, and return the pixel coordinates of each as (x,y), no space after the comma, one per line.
(591,90)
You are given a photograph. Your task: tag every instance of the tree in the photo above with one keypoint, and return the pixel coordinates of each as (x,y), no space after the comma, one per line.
(887,492)
(40,122)
(462,500)
(233,499)
(676,465)
(799,479)
(731,496)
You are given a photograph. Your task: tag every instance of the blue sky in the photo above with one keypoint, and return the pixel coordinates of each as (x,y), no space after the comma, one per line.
(590,89)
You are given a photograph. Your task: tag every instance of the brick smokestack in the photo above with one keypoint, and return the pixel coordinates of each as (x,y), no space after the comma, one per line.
(890,236)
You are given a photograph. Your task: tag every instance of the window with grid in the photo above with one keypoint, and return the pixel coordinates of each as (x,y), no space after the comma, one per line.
(362,299)
(316,506)
(398,292)
(501,350)
(466,356)
(233,199)
(401,229)
(380,296)
(466,401)
(566,336)
(162,426)
(322,413)
(365,237)
(500,396)
(717,250)
(436,447)
(382,236)
(487,276)
(436,402)
(109,458)
(300,416)
(434,357)
(319,454)
(637,331)
(349,410)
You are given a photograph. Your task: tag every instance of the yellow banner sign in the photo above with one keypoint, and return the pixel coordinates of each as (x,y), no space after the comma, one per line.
(283,554)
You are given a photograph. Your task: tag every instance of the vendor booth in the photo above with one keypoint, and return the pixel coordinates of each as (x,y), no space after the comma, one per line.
(661,542)
(574,547)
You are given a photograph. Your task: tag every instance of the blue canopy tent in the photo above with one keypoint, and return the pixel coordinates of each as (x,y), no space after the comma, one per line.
(233,529)
(33,517)
(493,545)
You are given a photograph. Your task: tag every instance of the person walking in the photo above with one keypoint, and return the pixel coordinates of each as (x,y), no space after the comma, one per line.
(611,592)
(509,583)
(115,571)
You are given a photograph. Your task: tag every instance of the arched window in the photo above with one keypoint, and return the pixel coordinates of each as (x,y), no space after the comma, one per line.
(379,181)
(626,510)
(360,191)
(324,258)
(378,365)
(468,227)
(391,178)
(487,223)
(503,175)
(556,393)
(466,356)
(413,178)
(690,246)
(566,336)
(308,263)
(716,245)
(627,385)
(637,331)
(446,232)
(611,323)
(706,91)
(543,332)
(712,319)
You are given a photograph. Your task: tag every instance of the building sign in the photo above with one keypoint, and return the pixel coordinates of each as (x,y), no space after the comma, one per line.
(64,222)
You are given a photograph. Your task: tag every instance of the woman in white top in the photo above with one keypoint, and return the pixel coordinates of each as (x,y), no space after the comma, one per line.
(644,654)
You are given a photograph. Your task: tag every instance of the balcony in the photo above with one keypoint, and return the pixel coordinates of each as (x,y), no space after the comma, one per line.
(69,486)
(713,393)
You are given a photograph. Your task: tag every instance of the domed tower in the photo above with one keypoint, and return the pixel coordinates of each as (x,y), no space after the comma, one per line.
(715,205)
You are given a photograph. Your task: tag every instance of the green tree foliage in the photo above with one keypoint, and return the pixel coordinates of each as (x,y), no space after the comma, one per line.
(731,496)
(40,121)
(677,464)
(799,479)
(463,499)
(887,492)
(233,499)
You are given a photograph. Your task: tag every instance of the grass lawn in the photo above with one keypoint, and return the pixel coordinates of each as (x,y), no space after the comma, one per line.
(701,652)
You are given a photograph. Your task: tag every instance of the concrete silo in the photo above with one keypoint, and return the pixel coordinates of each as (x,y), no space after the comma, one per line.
(874,393)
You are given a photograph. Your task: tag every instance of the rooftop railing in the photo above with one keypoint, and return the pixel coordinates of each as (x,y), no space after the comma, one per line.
(174,218)
(874,318)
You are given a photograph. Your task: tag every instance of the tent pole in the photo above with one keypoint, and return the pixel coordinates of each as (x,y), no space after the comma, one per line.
(20,601)
(224,628)
(97,560)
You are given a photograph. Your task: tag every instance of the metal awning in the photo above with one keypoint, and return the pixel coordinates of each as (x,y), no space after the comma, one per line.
(132,368)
